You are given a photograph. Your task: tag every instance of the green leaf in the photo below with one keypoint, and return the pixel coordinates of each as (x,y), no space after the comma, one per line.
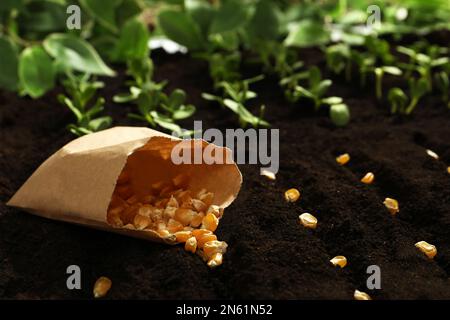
(76,54)
(100,123)
(133,41)
(201,12)
(332,100)
(185,111)
(43,16)
(340,114)
(102,11)
(9,78)
(265,22)
(392,70)
(36,71)
(230,16)
(181,28)
(306,34)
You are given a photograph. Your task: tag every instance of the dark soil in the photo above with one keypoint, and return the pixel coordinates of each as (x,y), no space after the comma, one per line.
(270,255)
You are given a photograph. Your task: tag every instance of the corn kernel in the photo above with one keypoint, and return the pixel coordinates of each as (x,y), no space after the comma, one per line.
(182,236)
(141,222)
(199,205)
(113,217)
(359,295)
(292,195)
(191,245)
(448,169)
(197,220)
(216,260)
(198,233)
(214,246)
(210,222)
(432,154)
(128,214)
(391,205)
(427,248)
(174,226)
(268,174)
(169,212)
(340,261)
(207,198)
(145,210)
(172,202)
(184,215)
(308,220)
(156,215)
(205,238)
(163,233)
(343,159)
(368,178)
(101,287)
(216,210)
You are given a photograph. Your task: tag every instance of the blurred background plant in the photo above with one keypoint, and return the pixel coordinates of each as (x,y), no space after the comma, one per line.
(38,51)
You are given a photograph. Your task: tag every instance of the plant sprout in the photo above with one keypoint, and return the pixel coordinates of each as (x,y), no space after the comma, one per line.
(234,97)
(80,92)
(417,88)
(340,114)
(443,84)
(379,73)
(316,87)
(398,100)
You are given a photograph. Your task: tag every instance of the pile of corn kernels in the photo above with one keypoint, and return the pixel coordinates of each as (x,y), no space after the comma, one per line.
(174,212)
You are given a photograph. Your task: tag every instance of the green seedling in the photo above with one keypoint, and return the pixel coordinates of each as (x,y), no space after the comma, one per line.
(234,97)
(398,100)
(423,64)
(443,84)
(417,89)
(340,114)
(379,73)
(80,92)
(365,63)
(338,58)
(317,87)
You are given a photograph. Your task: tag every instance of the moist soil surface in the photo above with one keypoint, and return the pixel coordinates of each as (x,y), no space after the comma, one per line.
(270,255)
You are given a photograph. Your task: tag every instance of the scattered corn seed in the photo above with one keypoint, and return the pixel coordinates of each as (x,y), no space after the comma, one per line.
(292,195)
(163,233)
(343,159)
(205,238)
(101,287)
(340,261)
(427,248)
(141,222)
(169,212)
(172,202)
(198,233)
(216,260)
(145,210)
(191,245)
(268,174)
(197,220)
(448,169)
(432,154)
(391,205)
(368,178)
(207,198)
(210,222)
(184,215)
(182,236)
(359,295)
(308,220)
(199,205)
(214,246)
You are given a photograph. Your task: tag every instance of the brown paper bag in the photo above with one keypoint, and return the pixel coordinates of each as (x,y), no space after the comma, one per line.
(77,182)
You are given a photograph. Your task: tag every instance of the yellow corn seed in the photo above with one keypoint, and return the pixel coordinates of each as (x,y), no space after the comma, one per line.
(198,233)
(214,246)
(448,169)
(169,212)
(432,154)
(210,222)
(156,215)
(359,295)
(391,205)
(163,233)
(308,220)
(216,260)
(172,202)
(191,245)
(174,226)
(268,174)
(343,159)
(292,195)
(197,220)
(182,236)
(141,222)
(101,287)
(340,261)
(216,210)
(207,198)
(184,215)
(145,210)
(368,178)
(205,238)
(429,249)
(199,205)
(113,217)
